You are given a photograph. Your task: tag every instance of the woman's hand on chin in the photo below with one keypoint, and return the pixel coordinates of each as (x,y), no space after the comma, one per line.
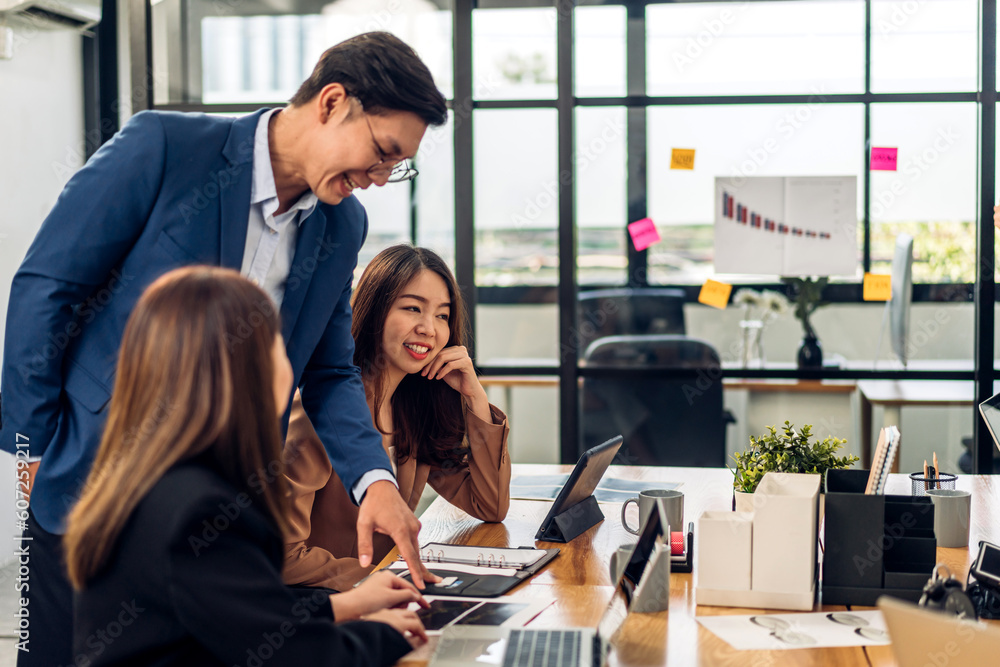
(454,366)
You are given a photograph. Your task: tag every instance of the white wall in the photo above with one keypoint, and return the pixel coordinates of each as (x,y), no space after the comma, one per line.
(41,135)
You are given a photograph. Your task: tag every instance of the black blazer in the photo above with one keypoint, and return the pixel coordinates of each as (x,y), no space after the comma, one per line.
(195,579)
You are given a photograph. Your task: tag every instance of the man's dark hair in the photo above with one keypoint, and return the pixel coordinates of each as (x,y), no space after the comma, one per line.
(383,72)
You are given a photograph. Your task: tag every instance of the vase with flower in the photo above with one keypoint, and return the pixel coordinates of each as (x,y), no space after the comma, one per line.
(807,294)
(759,308)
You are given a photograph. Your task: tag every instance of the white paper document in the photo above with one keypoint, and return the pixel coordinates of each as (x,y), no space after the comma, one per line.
(775,632)
(401,566)
(609,489)
(789,226)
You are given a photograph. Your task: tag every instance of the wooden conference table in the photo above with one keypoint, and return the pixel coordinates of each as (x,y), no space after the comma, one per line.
(579,582)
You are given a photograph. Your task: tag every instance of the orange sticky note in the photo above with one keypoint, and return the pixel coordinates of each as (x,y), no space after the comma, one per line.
(714,294)
(643,233)
(877,287)
(682,158)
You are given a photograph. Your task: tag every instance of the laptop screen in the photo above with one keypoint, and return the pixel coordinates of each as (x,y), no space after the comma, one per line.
(613,617)
(990,409)
(652,533)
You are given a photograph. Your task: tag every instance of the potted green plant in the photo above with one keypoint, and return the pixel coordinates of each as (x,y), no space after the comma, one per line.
(807,294)
(785,451)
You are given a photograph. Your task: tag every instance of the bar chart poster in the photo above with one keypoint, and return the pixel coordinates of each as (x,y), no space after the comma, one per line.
(789,226)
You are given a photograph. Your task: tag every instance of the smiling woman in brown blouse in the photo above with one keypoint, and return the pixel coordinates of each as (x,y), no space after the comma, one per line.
(436,422)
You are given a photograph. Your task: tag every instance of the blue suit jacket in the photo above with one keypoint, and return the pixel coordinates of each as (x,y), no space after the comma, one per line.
(168,190)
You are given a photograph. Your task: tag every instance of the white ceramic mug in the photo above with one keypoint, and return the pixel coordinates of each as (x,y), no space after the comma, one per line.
(619,559)
(951,517)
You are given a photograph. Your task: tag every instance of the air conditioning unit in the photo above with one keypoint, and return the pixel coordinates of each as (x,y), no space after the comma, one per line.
(52,14)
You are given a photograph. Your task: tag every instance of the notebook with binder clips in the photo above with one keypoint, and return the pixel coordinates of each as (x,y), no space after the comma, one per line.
(481,572)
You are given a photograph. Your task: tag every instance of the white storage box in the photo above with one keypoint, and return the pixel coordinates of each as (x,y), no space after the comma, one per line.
(724,550)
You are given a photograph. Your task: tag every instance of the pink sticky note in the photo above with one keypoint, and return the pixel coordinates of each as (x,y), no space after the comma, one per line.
(883,159)
(643,233)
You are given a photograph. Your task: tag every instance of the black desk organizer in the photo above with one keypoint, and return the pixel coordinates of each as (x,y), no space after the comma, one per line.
(874,545)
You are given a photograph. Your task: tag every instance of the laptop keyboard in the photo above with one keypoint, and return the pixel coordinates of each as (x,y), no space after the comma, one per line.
(543,648)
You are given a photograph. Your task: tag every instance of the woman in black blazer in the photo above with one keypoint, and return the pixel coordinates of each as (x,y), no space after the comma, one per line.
(175,547)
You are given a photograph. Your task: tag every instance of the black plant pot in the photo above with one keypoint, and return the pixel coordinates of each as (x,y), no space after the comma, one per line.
(810,353)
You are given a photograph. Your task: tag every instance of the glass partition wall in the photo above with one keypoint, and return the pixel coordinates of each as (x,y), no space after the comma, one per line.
(564,116)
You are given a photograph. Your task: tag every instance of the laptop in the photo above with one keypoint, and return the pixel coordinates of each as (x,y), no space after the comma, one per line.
(923,637)
(462,645)
(990,410)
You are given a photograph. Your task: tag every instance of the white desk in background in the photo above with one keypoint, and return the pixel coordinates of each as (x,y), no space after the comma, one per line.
(891,395)
(894,395)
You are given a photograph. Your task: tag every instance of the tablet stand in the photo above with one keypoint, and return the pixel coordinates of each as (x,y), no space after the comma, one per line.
(574,521)
(653,593)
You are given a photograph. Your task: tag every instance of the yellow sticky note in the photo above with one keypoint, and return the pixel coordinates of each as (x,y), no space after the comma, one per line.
(714,294)
(877,287)
(682,158)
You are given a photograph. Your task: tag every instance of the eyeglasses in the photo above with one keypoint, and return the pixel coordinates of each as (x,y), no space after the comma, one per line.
(397,171)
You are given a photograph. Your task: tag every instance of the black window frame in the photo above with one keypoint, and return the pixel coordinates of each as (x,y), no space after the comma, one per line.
(982,293)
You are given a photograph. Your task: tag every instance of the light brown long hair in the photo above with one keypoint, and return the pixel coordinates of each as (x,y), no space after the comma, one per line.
(195,378)
(427,415)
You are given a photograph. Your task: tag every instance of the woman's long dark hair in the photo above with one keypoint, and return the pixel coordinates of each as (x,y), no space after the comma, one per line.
(427,415)
(195,378)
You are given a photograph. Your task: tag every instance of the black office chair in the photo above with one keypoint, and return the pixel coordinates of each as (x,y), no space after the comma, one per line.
(628,311)
(665,421)
(965,460)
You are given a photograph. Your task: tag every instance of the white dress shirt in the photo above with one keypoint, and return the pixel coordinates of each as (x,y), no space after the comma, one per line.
(270,246)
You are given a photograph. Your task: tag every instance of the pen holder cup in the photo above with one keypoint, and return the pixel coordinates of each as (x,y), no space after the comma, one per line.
(920,484)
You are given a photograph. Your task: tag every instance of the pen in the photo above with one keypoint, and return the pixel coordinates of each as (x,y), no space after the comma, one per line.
(937,473)
(926,474)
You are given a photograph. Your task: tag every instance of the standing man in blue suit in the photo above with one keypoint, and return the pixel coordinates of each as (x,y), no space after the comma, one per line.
(268,194)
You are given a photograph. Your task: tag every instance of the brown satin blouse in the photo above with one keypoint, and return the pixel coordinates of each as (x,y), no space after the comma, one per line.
(322,549)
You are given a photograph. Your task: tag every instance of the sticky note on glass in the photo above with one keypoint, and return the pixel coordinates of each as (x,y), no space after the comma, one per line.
(877,287)
(884,159)
(643,233)
(682,158)
(714,294)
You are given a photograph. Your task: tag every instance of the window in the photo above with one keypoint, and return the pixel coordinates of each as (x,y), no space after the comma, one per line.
(755,48)
(926,46)
(516,197)
(601,202)
(514,53)
(757,88)
(599,51)
(808,139)
(932,194)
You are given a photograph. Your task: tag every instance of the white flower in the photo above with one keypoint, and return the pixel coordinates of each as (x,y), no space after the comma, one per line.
(774,303)
(747,298)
